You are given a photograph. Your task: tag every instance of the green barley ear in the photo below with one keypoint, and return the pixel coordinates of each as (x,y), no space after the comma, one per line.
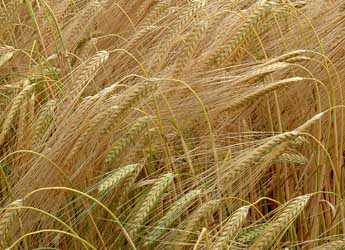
(132,98)
(231,228)
(250,234)
(171,215)
(6,219)
(151,200)
(293,158)
(6,53)
(281,223)
(18,100)
(126,140)
(117,176)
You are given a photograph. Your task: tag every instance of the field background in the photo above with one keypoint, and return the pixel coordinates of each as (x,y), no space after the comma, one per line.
(172,124)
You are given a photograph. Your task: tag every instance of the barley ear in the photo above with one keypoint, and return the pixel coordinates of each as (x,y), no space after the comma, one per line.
(230,228)
(6,219)
(133,133)
(171,215)
(281,222)
(115,177)
(18,100)
(149,203)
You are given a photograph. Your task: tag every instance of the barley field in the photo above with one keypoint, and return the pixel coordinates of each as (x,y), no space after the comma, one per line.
(172,124)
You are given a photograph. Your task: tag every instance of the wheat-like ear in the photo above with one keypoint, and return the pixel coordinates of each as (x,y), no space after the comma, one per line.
(130,100)
(281,223)
(261,71)
(135,41)
(87,71)
(256,18)
(156,12)
(6,219)
(333,245)
(87,48)
(82,22)
(246,99)
(152,198)
(115,177)
(144,8)
(287,56)
(127,185)
(44,119)
(18,100)
(171,215)
(22,118)
(256,155)
(6,53)
(310,122)
(184,19)
(194,221)
(293,158)
(94,123)
(230,228)
(133,132)
(191,44)
(250,234)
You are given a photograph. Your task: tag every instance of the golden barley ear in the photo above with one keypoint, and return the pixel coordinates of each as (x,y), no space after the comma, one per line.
(259,15)
(194,221)
(130,99)
(256,155)
(44,120)
(81,23)
(17,101)
(6,53)
(190,46)
(85,74)
(6,219)
(281,222)
(334,245)
(231,228)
